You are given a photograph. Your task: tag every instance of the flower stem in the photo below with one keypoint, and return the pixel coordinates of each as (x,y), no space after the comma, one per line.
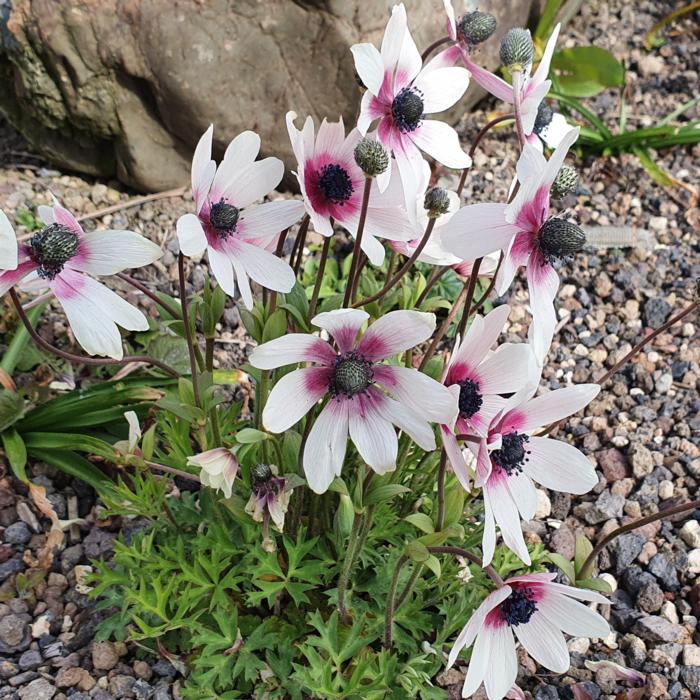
(473,279)
(278,252)
(357,248)
(80,359)
(403,269)
(489,289)
(213,413)
(435,45)
(517,107)
(319,276)
(350,553)
(172,310)
(299,243)
(175,472)
(588,565)
(459,552)
(636,349)
(390,603)
(442,472)
(188,330)
(417,571)
(438,272)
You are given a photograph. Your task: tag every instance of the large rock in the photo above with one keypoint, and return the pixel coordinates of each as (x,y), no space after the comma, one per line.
(126,87)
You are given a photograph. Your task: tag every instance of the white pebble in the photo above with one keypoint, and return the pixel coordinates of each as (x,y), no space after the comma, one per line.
(665,490)
(694,561)
(690,533)
(544,505)
(669,612)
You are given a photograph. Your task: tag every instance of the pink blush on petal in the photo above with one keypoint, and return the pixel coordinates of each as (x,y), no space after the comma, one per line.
(534,212)
(494,620)
(315,382)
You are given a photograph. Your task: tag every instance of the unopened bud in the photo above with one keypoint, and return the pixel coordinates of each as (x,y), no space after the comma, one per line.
(558,238)
(437,202)
(372,157)
(476,27)
(565,182)
(517,49)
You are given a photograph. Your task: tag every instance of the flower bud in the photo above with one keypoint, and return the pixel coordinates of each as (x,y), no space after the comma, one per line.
(476,27)
(372,157)
(565,182)
(437,202)
(517,49)
(558,238)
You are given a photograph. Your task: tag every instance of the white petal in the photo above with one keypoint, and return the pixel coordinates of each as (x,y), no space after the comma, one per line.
(456,457)
(478,663)
(330,140)
(240,153)
(544,642)
(343,325)
(222,269)
(554,133)
(504,371)
(441,141)
(578,593)
(290,349)
(394,36)
(488,541)
(451,22)
(524,494)
(480,337)
(293,396)
(264,267)
(573,617)
(407,420)
(369,66)
(203,168)
(8,244)
(270,218)
(559,466)
(190,235)
(46,214)
(556,404)
(255,181)
(506,514)
(109,252)
(502,669)
(530,164)
(395,332)
(542,71)
(373,436)
(442,87)
(324,453)
(242,279)
(409,63)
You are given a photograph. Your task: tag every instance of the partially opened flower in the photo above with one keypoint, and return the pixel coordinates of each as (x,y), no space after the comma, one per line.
(536,611)
(511,458)
(525,234)
(332,185)
(400,92)
(269,498)
(131,445)
(218,469)
(478,377)
(228,225)
(358,387)
(62,257)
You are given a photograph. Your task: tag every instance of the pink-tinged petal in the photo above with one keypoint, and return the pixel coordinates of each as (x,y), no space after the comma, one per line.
(504,371)
(451,23)
(264,267)
(295,137)
(242,279)
(544,577)
(406,420)
(393,39)
(369,66)
(410,62)
(441,87)
(488,540)
(321,224)
(515,694)
(293,396)
(530,164)
(542,71)
(395,332)
(491,83)
(559,466)
(544,642)
(240,154)
(543,283)
(324,453)
(477,622)
(476,230)
(481,336)
(444,59)
(366,116)
(483,464)
(572,617)
(291,349)
(8,244)
(550,407)
(513,257)
(254,182)
(441,141)
(343,325)
(502,670)
(190,235)
(506,514)
(94,311)
(456,457)
(330,139)
(373,436)
(222,269)
(578,593)
(491,406)
(46,214)
(523,493)
(203,168)
(10,278)
(270,218)
(109,252)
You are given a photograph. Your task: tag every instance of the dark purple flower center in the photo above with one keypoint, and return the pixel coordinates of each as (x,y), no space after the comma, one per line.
(470,398)
(352,374)
(223,217)
(519,607)
(52,248)
(559,238)
(407,109)
(335,183)
(512,455)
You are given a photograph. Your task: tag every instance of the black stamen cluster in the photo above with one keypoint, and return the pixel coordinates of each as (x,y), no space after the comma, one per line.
(543,118)
(475,27)
(470,398)
(371,156)
(512,455)
(260,474)
(352,375)
(407,109)
(436,202)
(519,607)
(223,217)
(558,238)
(335,183)
(52,248)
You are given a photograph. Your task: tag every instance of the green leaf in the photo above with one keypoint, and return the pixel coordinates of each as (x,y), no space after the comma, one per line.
(172,350)
(563,565)
(16,350)
(417,551)
(433,563)
(384,493)
(585,71)
(70,442)
(657,173)
(275,326)
(595,584)
(582,550)
(421,521)
(11,408)
(249,436)
(454,504)
(72,464)
(16,452)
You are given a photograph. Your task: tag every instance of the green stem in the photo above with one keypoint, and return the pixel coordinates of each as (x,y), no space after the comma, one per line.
(442,471)
(188,330)
(417,571)
(391,602)
(213,413)
(350,552)
(19,340)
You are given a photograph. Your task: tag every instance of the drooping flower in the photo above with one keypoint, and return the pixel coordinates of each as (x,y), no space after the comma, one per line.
(510,458)
(270,496)
(218,469)
(525,234)
(478,377)
(357,385)
(228,225)
(332,185)
(538,612)
(400,92)
(62,257)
